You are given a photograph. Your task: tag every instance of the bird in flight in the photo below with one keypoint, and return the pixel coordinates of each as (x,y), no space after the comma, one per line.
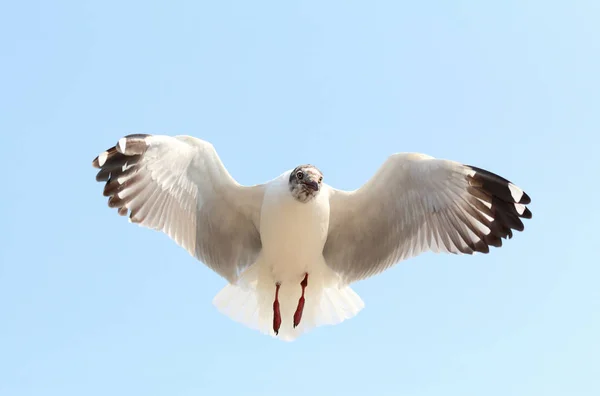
(290,248)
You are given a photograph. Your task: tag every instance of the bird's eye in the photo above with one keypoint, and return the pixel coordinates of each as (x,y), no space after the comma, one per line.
(299,175)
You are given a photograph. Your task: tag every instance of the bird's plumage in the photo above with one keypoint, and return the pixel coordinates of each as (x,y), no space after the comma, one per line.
(178,185)
(416,203)
(257,237)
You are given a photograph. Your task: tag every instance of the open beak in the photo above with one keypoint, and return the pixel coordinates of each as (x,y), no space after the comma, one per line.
(313,185)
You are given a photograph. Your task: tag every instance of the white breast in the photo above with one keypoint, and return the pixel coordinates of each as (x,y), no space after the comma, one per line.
(292,233)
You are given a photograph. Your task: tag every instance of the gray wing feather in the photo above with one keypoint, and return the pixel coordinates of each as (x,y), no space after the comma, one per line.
(416,203)
(178,185)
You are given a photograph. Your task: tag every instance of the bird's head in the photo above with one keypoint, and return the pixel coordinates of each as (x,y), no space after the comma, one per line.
(305,182)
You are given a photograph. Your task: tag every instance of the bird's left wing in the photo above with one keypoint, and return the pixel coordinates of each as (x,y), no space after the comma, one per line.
(416,203)
(178,185)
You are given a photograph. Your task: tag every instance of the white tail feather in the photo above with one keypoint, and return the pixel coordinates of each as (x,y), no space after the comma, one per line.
(252,306)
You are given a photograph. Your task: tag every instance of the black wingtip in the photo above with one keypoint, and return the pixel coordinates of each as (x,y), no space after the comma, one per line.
(505,204)
(525,200)
(118,162)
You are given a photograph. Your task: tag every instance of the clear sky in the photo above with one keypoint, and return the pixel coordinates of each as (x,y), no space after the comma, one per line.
(92,305)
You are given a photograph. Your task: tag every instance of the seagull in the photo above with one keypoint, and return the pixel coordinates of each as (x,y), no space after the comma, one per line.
(290,248)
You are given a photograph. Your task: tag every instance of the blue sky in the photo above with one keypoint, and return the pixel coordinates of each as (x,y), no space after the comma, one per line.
(92,305)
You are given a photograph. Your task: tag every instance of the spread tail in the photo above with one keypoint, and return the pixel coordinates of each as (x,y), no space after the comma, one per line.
(250,302)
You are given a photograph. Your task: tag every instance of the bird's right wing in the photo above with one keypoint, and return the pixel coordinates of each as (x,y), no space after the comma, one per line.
(417,203)
(178,185)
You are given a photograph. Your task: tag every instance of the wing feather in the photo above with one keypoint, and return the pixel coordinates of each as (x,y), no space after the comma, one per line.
(416,203)
(178,185)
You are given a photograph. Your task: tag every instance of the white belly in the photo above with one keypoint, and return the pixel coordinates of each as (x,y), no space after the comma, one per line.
(292,233)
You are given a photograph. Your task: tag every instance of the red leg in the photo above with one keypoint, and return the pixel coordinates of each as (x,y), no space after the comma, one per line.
(300,309)
(276,313)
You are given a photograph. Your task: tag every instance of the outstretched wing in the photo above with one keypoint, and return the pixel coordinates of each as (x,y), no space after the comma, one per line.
(178,185)
(416,203)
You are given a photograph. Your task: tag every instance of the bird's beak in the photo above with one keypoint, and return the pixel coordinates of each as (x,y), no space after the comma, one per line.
(313,185)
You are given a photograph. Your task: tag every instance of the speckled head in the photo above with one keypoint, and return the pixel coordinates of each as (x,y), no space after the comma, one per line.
(305,182)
